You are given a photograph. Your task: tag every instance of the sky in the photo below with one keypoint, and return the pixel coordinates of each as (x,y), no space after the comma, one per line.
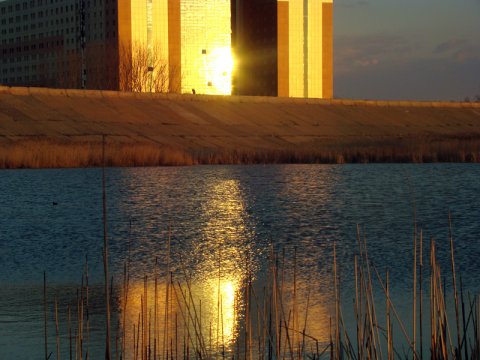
(407,49)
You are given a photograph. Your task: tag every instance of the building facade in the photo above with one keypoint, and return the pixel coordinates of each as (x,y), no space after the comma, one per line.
(246,47)
(59,43)
(283,47)
(187,43)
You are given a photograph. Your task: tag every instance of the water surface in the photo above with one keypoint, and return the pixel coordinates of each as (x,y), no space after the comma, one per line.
(215,227)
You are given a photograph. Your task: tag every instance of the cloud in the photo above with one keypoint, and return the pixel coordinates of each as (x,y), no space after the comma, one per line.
(394,67)
(452,44)
(415,79)
(367,62)
(459,50)
(352,52)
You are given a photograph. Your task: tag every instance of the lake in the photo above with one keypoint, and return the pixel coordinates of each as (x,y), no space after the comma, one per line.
(212,236)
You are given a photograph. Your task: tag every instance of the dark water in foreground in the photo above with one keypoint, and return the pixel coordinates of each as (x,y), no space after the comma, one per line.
(225,220)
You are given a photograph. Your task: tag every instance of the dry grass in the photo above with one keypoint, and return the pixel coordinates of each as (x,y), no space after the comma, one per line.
(45,153)
(41,153)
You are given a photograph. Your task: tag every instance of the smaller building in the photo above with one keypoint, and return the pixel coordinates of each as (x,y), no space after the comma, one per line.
(283,47)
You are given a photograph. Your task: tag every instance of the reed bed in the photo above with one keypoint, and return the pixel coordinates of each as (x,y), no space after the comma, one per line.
(162,316)
(47,153)
(41,153)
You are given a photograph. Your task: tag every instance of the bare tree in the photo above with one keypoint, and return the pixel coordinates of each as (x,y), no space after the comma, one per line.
(142,69)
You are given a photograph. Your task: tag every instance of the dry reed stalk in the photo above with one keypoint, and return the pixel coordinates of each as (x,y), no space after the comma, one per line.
(45,314)
(421,294)
(167,298)
(260,328)
(173,314)
(337,304)
(223,335)
(194,317)
(402,327)
(187,317)
(105,254)
(149,351)
(76,343)
(142,328)
(332,352)
(477,327)
(247,319)
(155,306)
(176,336)
(275,307)
(137,333)
(165,320)
(465,325)
(356,305)
(294,317)
(287,344)
(134,342)
(414,319)
(445,318)
(81,330)
(301,356)
(455,293)
(369,302)
(218,299)
(377,349)
(440,330)
(390,353)
(125,300)
(433,322)
(144,319)
(210,339)
(87,308)
(267,323)
(139,349)
(280,298)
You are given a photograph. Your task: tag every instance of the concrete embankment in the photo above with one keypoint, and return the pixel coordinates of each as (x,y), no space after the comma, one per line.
(216,129)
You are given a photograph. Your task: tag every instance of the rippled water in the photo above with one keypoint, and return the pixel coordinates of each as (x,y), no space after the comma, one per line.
(219,225)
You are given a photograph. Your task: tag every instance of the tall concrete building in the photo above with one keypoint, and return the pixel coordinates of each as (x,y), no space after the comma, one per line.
(283,47)
(248,47)
(59,43)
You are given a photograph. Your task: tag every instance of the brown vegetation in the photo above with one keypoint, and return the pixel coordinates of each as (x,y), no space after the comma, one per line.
(162,318)
(45,153)
(48,154)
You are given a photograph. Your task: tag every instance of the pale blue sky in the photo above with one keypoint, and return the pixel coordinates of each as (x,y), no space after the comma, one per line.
(407,49)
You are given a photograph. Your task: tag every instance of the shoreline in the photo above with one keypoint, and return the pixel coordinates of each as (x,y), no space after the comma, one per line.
(56,128)
(37,154)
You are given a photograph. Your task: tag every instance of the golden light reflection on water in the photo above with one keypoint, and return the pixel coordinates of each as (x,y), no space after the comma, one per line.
(210,318)
(199,309)
(178,318)
(209,305)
